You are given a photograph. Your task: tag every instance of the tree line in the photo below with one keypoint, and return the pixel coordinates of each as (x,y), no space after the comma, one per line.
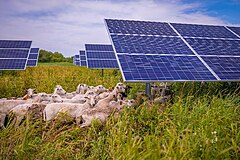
(48,56)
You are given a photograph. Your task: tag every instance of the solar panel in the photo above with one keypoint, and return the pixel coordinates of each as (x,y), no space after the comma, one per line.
(175,52)
(14,54)
(33,57)
(76,60)
(100,56)
(149,45)
(194,30)
(236,30)
(215,46)
(83,61)
(163,68)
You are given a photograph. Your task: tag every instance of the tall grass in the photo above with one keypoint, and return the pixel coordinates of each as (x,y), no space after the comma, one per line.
(202,122)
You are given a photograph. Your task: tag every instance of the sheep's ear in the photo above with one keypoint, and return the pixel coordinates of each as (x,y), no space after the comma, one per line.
(87,97)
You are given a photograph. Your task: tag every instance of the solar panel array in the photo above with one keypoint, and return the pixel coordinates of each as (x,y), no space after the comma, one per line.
(76,60)
(158,51)
(83,61)
(14,54)
(33,57)
(100,56)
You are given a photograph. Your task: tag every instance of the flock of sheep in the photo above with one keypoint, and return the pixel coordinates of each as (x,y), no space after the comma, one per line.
(83,105)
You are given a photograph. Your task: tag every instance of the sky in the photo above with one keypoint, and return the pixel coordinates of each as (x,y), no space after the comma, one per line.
(65,26)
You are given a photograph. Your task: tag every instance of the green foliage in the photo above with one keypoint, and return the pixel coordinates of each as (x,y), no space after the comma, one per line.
(202,122)
(47,56)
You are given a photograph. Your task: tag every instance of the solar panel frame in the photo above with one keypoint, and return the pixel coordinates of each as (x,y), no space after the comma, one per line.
(235,37)
(23,45)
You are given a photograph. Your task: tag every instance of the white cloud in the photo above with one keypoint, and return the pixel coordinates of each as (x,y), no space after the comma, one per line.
(65,26)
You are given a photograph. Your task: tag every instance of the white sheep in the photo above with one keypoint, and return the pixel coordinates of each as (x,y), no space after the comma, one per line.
(55,98)
(52,109)
(101,111)
(59,90)
(81,88)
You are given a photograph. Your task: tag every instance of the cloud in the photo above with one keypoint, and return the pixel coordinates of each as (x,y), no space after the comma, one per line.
(65,26)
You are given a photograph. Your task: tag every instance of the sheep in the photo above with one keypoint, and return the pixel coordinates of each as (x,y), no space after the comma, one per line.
(59,90)
(52,109)
(6,106)
(101,111)
(100,89)
(20,111)
(30,94)
(55,98)
(82,88)
(74,110)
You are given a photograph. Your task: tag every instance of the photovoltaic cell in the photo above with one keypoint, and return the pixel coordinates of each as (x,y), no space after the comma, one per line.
(194,30)
(227,68)
(100,56)
(163,68)
(31,62)
(215,46)
(76,60)
(235,30)
(33,57)
(139,27)
(149,45)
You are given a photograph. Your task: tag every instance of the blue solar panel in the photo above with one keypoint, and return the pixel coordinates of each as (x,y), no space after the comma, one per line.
(102,64)
(34,50)
(83,61)
(163,68)
(101,55)
(98,47)
(139,27)
(193,30)
(149,45)
(76,60)
(15,44)
(192,52)
(14,53)
(77,63)
(31,62)
(12,64)
(227,68)
(235,30)
(215,46)
(33,57)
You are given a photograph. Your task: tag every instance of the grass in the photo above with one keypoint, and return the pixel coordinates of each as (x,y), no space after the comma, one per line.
(55,64)
(202,122)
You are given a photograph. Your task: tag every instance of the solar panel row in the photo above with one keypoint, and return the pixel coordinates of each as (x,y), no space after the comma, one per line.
(83,61)
(156,51)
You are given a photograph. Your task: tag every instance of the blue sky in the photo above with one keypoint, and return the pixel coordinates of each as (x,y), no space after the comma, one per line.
(66,25)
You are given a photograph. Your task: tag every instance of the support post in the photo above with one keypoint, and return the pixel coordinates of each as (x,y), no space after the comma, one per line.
(148,89)
(102,73)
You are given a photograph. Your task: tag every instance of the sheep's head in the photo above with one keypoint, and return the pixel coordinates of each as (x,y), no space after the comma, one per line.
(44,97)
(59,90)
(101,89)
(82,88)
(91,100)
(30,92)
(56,98)
(120,89)
(131,103)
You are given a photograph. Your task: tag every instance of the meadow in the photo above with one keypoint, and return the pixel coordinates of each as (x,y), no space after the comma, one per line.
(201,122)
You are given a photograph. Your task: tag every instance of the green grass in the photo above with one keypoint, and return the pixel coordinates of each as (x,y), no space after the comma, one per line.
(55,64)
(202,122)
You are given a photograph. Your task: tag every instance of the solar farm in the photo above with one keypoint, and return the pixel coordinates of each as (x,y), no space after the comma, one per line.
(168,91)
